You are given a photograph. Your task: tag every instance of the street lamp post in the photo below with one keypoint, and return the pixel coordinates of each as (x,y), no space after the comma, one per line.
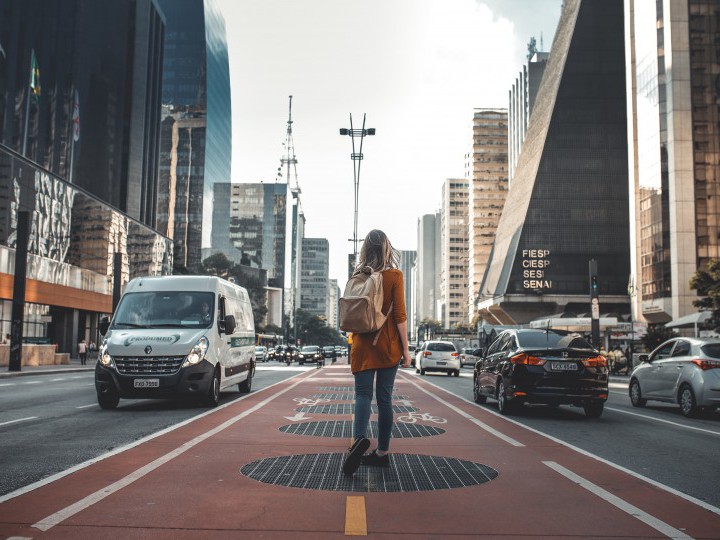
(356,158)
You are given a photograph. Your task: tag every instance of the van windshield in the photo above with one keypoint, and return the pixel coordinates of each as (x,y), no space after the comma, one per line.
(165,309)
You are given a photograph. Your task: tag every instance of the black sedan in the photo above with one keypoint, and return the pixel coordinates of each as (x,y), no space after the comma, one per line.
(542,366)
(328,353)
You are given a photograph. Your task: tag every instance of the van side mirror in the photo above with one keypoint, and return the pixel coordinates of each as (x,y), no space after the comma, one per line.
(104,325)
(230,325)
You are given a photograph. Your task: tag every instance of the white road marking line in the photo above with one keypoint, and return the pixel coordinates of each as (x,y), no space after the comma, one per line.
(8,384)
(32,382)
(676,424)
(60,379)
(18,420)
(58,517)
(668,489)
(619,503)
(474,420)
(86,406)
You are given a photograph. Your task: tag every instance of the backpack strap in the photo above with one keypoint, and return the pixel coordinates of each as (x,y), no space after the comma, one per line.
(377,332)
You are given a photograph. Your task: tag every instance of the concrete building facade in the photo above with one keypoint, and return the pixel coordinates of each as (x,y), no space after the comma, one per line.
(427,286)
(407,263)
(454,259)
(487,175)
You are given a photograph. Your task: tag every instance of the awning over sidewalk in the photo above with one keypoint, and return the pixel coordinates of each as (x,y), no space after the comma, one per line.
(689,321)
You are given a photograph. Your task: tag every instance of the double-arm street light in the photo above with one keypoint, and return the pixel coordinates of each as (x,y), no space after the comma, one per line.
(356,159)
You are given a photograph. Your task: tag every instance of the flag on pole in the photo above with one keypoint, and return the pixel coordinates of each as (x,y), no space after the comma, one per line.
(76,117)
(34,76)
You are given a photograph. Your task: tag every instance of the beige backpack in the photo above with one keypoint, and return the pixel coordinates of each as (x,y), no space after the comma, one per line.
(361,303)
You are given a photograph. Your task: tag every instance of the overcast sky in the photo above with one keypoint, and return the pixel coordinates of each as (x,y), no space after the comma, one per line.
(416,67)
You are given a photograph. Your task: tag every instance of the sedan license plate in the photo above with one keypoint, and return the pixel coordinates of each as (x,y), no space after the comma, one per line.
(146,383)
(442,363)
(563,366)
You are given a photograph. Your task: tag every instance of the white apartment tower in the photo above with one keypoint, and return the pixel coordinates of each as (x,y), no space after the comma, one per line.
(454,253)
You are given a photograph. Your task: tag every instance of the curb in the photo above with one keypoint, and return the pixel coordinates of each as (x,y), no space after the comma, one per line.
(51,371)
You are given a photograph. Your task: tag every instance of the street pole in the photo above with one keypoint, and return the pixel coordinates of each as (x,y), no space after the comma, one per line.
(18,302)
(594,303)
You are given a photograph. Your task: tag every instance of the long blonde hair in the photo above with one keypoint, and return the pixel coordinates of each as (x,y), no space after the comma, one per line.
(377,252)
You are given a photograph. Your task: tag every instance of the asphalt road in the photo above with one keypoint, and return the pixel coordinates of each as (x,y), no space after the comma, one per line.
(656,442)
(52,422)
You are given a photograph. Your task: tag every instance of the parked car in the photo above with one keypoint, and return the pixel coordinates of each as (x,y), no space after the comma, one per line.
(309,353)
(470,355)
(328,353)
(542,366)
(261,354)
(438,356)
(413,352)
(685,371)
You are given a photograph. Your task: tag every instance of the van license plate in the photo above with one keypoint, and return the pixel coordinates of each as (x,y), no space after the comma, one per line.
(146,383)
(563,366)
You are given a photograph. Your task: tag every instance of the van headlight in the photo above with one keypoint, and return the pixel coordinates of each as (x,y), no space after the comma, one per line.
(105,358)
(197,354)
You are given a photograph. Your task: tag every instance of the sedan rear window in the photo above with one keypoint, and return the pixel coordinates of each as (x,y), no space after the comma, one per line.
(551,340)
(712,350)
(441,347)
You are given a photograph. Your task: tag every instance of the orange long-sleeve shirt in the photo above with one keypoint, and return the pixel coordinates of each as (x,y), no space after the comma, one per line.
(388,350)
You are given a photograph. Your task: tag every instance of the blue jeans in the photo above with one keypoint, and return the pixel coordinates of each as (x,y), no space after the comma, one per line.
(383,395)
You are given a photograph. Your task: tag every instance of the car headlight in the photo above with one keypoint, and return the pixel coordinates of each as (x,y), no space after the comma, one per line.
(105,358)
(197,354)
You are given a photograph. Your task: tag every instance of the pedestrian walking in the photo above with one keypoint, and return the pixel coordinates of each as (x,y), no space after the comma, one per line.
(375,356)
(92,348)
(82,352)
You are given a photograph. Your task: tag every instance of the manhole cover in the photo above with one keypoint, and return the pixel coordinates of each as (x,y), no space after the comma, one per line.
(338,388)
(407,472)
(347,408)
(346,396)
(342,429)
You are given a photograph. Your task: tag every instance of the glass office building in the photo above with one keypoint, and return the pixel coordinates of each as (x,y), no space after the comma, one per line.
(672,62)
(80,85)
(72,243)
(314,270)
(197,130)
(568,202)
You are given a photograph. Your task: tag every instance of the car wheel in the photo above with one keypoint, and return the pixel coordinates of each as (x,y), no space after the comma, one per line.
(457,372)
(636,395)
(449,372)
(245,387)
(108,399)
(594,409)
(688,404)
(504,405)
(212,399)
(477,397)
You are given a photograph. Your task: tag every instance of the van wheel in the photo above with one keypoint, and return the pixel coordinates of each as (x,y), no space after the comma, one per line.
(245,387)
(108,399)
(213,396)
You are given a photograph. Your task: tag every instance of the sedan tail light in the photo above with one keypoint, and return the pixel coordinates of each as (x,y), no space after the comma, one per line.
(427,353)
(596,361)
(453,354)
(527,360)
(704,364)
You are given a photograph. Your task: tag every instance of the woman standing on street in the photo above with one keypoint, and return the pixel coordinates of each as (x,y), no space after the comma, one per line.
(377,363)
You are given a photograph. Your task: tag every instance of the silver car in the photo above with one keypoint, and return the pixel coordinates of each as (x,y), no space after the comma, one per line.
(438,356)
(685,371)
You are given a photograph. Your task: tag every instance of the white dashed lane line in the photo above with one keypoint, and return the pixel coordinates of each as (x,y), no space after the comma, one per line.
(18,420)
(86,406)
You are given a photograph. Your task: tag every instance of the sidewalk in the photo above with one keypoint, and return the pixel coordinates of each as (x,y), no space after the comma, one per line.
(74,365)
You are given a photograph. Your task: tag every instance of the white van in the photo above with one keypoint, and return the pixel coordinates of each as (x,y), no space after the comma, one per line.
(173,336)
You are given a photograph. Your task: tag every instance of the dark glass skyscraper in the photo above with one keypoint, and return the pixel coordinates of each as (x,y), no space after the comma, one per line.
(569,197)
(90,110)
(197,131)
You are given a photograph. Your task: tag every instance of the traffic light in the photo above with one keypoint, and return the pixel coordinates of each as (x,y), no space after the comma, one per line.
(594,286)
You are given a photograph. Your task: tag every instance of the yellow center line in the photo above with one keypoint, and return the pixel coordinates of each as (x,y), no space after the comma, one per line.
(355,516)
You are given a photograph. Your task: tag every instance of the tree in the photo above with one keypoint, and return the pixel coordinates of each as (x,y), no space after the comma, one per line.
(707,284)
(532,48)
(656,334)
(312,330)
(217,265)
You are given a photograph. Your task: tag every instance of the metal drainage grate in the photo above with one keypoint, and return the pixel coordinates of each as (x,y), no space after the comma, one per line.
(407,472)
(347,408)
(343,429)
(338,388)
(346,396)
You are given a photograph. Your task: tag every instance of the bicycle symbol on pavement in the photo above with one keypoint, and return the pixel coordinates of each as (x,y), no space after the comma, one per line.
(413,417)
(309,401)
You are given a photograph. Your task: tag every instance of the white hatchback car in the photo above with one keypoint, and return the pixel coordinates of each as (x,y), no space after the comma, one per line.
(438,356)
(685,371)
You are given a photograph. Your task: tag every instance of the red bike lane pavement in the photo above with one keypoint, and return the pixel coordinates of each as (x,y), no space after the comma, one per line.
(289,438)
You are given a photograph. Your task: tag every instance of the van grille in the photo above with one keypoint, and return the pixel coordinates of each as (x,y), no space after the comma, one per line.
(148,365)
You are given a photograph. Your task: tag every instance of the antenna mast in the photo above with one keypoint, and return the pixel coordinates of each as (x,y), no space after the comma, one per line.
(290,159)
